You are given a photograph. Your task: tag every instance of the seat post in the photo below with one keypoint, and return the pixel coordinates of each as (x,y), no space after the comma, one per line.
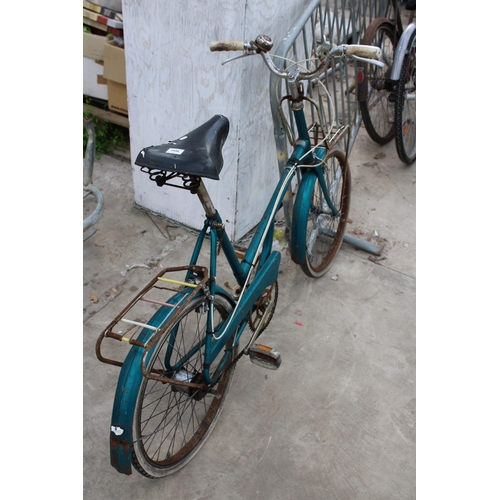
(205,200)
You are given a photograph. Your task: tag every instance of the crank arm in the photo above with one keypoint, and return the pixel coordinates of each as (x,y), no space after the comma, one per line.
(262,322)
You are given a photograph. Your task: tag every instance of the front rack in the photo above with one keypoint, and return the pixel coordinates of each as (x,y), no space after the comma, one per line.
(317,135)
(159,292)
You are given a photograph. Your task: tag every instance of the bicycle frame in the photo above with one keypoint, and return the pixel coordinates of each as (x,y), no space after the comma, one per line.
(257,271)
(259,255)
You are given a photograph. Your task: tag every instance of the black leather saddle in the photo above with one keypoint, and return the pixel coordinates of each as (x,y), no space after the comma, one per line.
(196,153)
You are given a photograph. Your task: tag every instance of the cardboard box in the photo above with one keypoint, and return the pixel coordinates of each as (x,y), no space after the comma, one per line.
(94,84)
(93,46)
(114,73)
(117,97)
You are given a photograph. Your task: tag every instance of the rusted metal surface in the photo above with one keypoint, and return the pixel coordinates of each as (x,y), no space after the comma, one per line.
(118,445)
(204,425)
(202,273)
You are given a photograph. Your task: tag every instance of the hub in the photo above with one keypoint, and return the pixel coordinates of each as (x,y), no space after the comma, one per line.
(182,375)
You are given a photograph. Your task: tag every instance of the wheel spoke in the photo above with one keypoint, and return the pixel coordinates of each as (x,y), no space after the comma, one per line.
(172,421)
(405,109)
(325,231)
(377,109)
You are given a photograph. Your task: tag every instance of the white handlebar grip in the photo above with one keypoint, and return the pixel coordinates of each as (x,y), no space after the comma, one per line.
(366,51)
(226,46)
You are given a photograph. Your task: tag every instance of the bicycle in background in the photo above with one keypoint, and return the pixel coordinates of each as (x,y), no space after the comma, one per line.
(387,96)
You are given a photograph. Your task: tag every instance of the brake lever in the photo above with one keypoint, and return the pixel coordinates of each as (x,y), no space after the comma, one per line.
(246,54)
(380,64)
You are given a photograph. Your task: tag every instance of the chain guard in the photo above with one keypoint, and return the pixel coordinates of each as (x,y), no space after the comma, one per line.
(270,293)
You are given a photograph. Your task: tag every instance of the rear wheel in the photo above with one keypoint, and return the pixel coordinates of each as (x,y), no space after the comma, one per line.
(171,422)
(324,231)
(375,86)
(406,105)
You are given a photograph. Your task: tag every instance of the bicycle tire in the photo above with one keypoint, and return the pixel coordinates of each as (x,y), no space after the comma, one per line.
(323,233)
(375,87)
(171,423)
(406,105)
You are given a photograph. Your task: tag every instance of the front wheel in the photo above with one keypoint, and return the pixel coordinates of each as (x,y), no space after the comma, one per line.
(324,231)
(375,87)
(171,422)
(406,105)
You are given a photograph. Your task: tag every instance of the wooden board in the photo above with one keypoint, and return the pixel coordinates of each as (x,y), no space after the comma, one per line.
(103,114)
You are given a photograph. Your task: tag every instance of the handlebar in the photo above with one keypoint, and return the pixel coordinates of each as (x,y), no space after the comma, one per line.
(226,46)
(363,52)
(263,44)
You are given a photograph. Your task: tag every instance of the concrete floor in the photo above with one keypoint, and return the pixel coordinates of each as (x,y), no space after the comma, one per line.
(337,420)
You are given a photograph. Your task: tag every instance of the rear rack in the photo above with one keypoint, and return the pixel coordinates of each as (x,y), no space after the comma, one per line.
(129,324)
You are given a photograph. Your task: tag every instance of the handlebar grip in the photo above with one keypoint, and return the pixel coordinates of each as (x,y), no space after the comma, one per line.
(226,46)
(366,51)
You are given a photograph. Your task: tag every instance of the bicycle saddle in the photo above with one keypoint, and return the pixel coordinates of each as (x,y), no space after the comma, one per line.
(196,153)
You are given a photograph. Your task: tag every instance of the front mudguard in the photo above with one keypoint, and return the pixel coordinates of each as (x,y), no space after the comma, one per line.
(401,51)
(300,215)
(127,390)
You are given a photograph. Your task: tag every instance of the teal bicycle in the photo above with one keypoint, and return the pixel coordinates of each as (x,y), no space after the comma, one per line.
(178,369)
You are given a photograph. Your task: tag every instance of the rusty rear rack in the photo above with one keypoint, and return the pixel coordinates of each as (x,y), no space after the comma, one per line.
(131,326)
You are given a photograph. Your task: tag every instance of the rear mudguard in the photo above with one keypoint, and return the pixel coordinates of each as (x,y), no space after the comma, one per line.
(127,389)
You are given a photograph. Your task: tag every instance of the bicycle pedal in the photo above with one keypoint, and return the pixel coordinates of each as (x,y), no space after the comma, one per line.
(264,356)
